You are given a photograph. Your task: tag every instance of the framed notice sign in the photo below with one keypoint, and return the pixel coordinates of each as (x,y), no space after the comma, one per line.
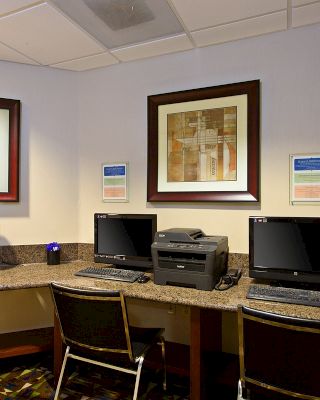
(115,182)
(305,178)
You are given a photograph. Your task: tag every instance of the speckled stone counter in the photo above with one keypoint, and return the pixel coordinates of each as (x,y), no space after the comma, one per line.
(36,253)
(38,275)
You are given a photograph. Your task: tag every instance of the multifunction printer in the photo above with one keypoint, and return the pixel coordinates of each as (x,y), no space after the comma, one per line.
(187,257)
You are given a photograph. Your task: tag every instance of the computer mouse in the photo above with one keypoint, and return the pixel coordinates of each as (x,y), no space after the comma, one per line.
(143,279)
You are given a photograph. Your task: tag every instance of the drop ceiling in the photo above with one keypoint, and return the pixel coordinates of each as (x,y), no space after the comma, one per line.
(80,35)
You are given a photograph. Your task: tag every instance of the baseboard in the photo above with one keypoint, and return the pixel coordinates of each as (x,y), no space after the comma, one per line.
(26,342)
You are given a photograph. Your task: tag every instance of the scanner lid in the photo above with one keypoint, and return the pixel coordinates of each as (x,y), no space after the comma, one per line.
(179,235)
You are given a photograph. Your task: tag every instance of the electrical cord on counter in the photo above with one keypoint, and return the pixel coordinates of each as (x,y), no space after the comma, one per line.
(228,280)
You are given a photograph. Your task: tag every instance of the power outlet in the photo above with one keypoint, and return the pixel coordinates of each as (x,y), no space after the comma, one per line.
(172,309)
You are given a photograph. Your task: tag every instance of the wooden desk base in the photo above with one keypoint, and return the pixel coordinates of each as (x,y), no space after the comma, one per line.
(26,342)
(205,335)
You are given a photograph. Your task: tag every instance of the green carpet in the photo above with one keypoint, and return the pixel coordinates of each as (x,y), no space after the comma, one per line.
(31,377)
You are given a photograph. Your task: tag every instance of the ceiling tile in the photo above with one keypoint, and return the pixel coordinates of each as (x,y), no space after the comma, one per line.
(7,54)
(296,3)
(120,23)
(243,29)
(7,6)
(154,48)
(86,63)
(45,35)
(48,32)
(209,13)
(306,15)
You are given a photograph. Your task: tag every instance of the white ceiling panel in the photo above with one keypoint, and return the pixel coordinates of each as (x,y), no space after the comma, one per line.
(208,13)
(80,35)
(8,54)
(155,48)
(46,36)
(296,3)
(122,23)
(86,63)
(305,15)
(243,29)
(7,6)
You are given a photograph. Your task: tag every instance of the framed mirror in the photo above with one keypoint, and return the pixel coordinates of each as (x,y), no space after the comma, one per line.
(9,149)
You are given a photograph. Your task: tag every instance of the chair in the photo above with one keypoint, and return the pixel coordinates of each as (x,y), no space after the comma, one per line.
(279,355)
(94,327)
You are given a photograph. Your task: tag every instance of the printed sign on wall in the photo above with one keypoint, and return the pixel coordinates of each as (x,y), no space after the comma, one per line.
(115,182)
(305,178)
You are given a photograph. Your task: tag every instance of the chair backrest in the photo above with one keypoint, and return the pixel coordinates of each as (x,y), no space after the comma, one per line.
(279,353)
(93,320)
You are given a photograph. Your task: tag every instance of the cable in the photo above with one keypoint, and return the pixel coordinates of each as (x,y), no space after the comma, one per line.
(228,280)
(225,282)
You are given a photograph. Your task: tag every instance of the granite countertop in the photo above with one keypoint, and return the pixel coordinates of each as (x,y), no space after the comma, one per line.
(26,276)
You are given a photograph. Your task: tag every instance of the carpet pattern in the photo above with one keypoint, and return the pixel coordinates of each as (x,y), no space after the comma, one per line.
(32,378)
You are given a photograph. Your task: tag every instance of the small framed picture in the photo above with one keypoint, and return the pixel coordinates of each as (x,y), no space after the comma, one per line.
(115,182)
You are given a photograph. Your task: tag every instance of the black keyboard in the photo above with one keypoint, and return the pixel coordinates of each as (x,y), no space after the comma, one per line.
(114,274)
(284,295)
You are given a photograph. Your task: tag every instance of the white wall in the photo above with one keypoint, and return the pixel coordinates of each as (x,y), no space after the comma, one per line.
(48,207)
(113,125)
(73,122)
(63,147)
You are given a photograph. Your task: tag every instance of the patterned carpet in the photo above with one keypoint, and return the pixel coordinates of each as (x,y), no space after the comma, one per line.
(24,378)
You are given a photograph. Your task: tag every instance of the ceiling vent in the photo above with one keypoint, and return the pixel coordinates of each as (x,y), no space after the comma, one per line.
(119,23)
(120,14)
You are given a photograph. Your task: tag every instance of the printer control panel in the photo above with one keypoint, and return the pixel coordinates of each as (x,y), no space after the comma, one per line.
(184,246)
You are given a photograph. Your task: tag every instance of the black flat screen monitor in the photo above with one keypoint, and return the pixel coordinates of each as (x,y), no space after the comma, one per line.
(124,240)
(285,249)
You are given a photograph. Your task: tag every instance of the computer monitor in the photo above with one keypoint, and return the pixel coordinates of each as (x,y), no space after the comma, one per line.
(124,240)
(285,249)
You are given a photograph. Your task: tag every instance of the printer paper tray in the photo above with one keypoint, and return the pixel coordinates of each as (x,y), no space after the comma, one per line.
(182,260)
(183,265)
(182,256)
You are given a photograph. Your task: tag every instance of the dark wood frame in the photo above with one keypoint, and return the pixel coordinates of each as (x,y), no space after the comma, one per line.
(252,193)
(14,139)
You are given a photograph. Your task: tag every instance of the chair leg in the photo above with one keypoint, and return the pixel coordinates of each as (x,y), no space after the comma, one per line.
(56,396)
(243,393)
(163,352)
(136,386)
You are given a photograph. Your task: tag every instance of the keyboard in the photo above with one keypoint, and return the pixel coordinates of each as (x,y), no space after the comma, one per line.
(114,274)
(284,295)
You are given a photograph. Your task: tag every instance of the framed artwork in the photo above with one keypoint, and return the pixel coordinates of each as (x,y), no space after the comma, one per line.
(115,182)
(9,149)
(203,144)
